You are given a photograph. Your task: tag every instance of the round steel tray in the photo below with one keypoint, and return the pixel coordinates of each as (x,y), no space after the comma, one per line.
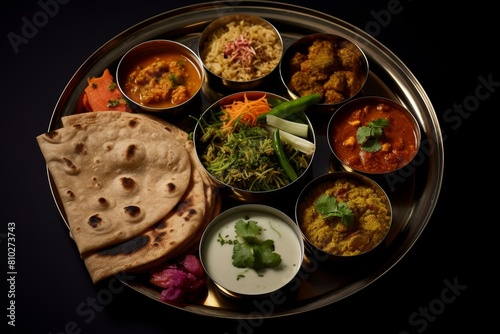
(413,192)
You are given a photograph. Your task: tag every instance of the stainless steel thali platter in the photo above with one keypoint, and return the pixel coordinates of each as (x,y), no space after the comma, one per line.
(413,192)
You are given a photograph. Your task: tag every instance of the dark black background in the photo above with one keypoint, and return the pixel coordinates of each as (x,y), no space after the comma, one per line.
(447,48)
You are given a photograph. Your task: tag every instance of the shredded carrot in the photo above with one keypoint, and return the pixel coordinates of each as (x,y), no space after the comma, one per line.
(245,111)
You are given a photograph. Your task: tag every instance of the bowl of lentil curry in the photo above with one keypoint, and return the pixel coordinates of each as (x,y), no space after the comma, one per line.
(343,214)
(160,76)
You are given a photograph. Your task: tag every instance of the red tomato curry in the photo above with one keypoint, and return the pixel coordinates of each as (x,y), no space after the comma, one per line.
(397,144)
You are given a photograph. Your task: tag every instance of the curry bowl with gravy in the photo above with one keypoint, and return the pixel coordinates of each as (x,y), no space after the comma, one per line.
(343,215)
(373,135)
(160,76)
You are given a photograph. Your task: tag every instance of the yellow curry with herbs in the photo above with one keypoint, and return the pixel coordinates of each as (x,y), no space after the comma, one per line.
(370,210)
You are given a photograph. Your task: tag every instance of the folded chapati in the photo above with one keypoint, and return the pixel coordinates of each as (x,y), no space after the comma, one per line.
(173,235)
(156,243)
(117,174)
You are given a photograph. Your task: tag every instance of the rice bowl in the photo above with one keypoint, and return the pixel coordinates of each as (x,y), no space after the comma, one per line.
(240,49)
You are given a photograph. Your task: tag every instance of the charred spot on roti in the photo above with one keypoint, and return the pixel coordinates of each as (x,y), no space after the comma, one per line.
(191,213)
(130,153)
(103,202)
(128,183)
(186,209)
(133,211)
(80,148)
(133,123)
(128,247)
(125,186)
(171,187)
(95,221)
(159,238)
(70,195)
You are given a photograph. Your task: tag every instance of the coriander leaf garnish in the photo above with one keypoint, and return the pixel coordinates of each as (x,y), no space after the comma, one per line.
(265,255)
(247,230)
(249,251)
(115,103)
(328,206)
(243,255)
(368,135)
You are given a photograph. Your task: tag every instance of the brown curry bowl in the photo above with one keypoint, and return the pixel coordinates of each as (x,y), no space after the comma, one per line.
(239,52)
(227,170)
(373,135)
(343,215)
(327,64)
(160,76)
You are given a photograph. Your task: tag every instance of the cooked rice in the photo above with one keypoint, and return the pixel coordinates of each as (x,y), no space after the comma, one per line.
(264,41)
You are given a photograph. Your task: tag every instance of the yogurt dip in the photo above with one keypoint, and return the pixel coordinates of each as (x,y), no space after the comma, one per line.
(216,256)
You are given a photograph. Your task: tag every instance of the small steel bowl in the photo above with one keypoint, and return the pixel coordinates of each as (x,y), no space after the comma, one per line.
(345,60)
(246,195)
(216,251)
(216,38)
(399,142)
(328,238)
(143,55)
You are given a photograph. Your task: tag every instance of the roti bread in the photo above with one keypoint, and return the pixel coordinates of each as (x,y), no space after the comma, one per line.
(117,174)
(157,243)
(175,234)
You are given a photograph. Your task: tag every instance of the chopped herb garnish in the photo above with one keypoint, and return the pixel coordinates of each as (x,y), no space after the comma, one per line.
(224,240)
(176,80)
(368,135)
(328,206)
(249,251)
(112,86)
(115,103)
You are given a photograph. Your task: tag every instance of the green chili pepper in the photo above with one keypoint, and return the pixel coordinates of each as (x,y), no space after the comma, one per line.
(288,108)
(282,158)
